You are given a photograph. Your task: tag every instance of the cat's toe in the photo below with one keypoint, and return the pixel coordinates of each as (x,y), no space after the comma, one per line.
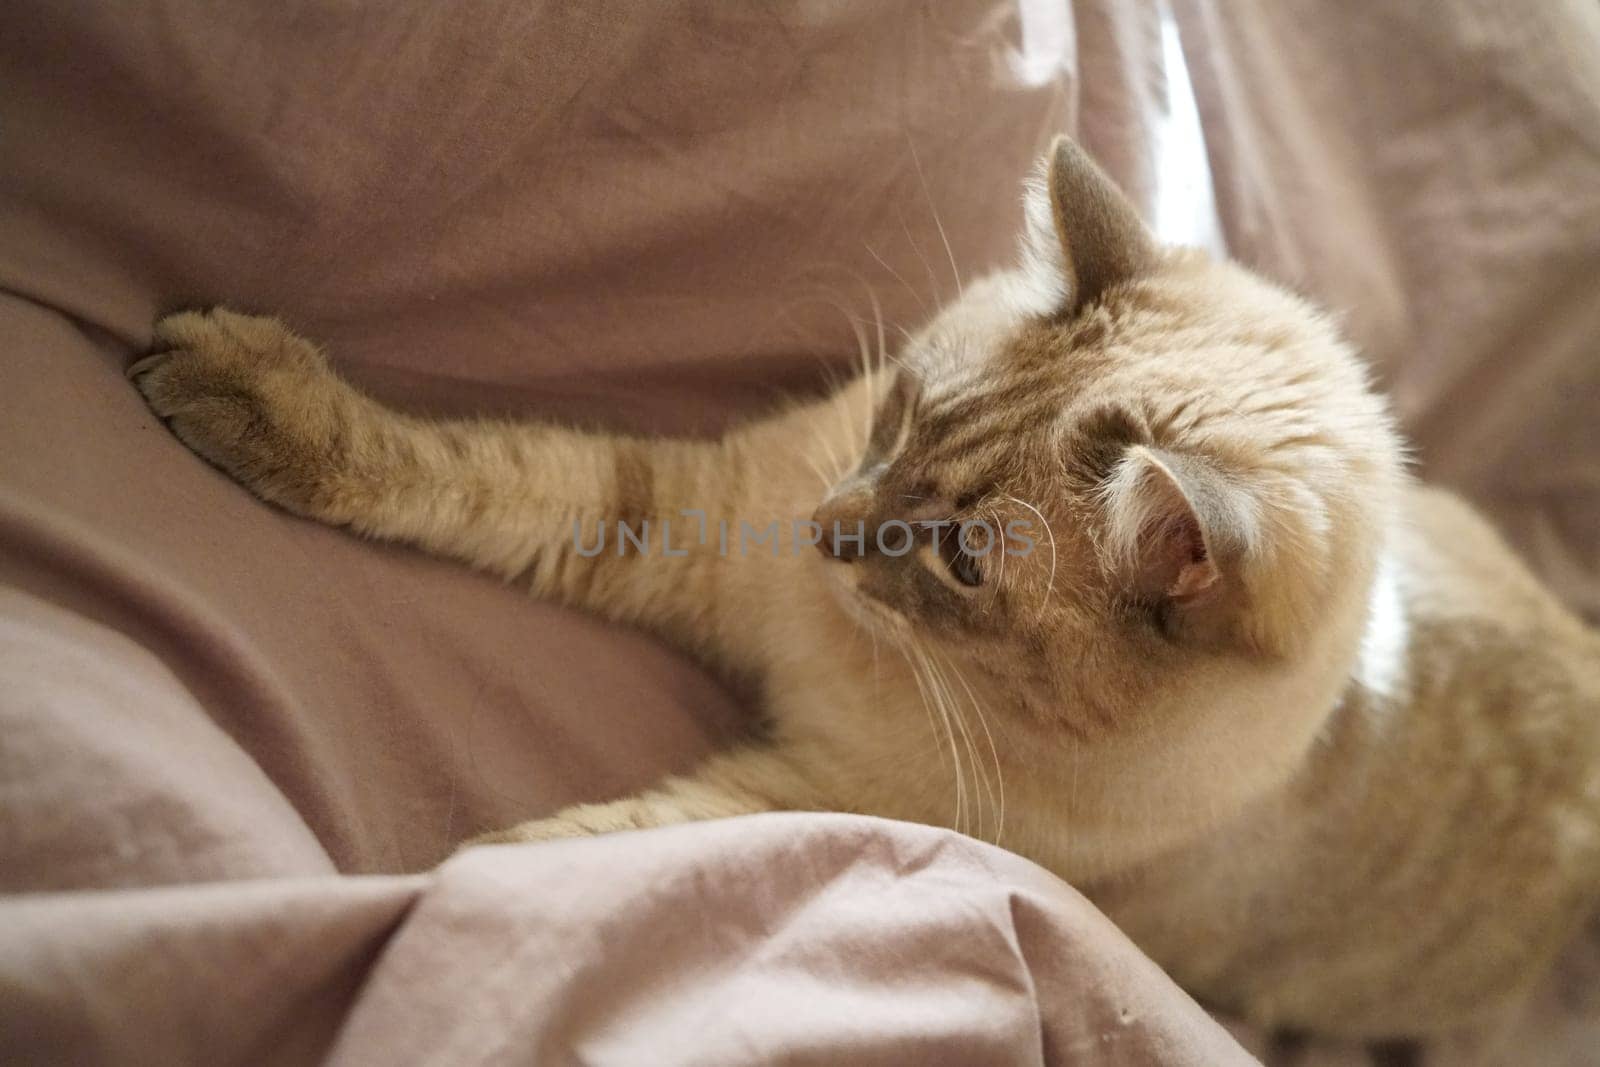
(223,335)
(167,381)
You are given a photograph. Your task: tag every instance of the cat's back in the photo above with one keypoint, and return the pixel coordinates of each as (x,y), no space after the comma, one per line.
(1503,679)
(1459,571)
(1493,657)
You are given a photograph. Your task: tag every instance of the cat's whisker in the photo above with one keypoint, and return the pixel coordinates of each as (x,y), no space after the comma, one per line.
(1000,578)
(981,783)
(934,211)
(830,378)
(896,361)
(906,654)
(921,303)
(877,320)
(839,466)
(859,435)
(993,790)
(839,387)
(1072,788)
(933,695)
(1051,584)
(821,476)
(820,437)
(883,348)
(877,373)
(933,278)
(877,676)
(868,376)
(885,358)
(994,751)
(853,445)
(881,327)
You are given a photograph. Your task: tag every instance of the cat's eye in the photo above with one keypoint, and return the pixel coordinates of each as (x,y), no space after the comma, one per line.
(965,569)
(962,565)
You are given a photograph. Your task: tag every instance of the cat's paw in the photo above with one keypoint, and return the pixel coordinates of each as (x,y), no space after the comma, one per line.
(249,395)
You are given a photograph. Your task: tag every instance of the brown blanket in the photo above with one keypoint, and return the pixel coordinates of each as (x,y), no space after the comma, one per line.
(230,740)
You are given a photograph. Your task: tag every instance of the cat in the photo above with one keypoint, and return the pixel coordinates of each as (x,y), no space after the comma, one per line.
(1304,729)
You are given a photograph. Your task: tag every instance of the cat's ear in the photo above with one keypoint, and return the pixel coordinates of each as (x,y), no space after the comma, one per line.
(1083,235)
(1173,526)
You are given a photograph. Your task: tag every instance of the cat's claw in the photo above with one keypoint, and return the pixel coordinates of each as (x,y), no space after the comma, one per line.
(145,365)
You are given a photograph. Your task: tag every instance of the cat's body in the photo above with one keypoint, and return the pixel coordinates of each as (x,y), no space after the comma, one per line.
(1439,842)
(1310,735)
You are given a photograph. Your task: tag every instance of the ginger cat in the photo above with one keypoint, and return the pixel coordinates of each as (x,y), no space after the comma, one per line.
(1307,732)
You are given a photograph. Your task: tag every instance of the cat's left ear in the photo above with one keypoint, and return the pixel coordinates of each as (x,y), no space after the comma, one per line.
(1083,235)
(1174,526)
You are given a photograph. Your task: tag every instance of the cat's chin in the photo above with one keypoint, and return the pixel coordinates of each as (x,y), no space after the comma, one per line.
(876,616)
(880,618)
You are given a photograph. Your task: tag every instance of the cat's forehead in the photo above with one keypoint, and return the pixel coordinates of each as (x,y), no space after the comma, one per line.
(972,338)
(993,375)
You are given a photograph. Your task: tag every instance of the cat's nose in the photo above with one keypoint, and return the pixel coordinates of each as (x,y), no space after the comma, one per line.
(843,544)
(841,520)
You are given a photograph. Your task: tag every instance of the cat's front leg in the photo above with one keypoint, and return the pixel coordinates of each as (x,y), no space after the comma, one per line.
(262,403)
(742,782)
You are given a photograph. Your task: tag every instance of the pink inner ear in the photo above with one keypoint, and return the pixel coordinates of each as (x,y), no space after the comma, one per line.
(1171,549)
(1193,578)
(1179,553)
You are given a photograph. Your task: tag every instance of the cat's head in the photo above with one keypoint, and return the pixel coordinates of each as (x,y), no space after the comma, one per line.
(1184,480)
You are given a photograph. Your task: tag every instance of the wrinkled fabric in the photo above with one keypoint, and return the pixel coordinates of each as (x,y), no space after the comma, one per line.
(769,939)
(229,739)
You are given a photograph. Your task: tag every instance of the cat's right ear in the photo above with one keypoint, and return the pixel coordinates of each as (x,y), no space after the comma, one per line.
(1083,235)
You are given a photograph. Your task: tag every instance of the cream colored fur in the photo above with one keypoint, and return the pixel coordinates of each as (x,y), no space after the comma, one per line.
(1309,734)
